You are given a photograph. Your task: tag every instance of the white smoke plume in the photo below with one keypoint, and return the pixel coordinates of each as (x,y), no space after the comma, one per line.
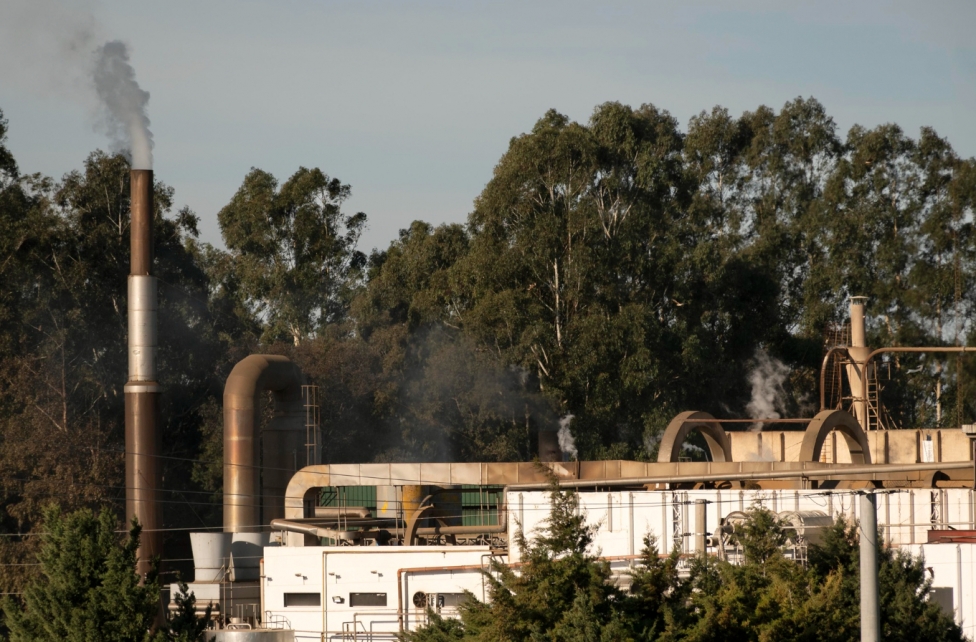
(566,442)
(50,47)
(125,119)
(768,394)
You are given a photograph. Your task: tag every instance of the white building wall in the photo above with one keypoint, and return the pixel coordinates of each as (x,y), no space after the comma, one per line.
(335,574)
(624,517)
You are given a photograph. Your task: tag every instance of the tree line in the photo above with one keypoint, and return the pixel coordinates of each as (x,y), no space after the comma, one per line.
(620,270)
(563,592)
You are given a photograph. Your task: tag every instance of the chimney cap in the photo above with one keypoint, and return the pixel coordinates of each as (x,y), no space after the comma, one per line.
(858,300)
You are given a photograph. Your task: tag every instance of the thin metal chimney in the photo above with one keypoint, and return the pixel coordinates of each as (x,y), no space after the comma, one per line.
(142,439)
(858,351)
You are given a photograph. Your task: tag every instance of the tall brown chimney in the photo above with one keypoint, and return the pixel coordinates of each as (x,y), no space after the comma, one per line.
(142,439)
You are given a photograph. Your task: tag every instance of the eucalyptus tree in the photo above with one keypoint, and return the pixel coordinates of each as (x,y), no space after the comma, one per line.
(292,251)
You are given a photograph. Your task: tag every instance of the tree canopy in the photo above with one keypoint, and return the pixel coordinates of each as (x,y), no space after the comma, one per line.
(619,270)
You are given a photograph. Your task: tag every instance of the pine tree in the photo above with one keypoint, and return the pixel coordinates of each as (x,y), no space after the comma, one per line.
(87,590)
(184,625)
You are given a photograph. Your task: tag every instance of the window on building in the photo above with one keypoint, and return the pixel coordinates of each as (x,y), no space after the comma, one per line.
(303,599)
(367,599)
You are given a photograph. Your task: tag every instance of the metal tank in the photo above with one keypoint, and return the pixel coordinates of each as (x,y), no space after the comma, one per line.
(249,635)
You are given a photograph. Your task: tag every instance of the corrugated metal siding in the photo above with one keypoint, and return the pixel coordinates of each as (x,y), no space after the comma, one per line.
(342,496)
(479,505)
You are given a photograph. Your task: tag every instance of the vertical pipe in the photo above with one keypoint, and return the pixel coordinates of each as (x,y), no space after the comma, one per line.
(258,464)
(664,524)
(870,610)
(959,613)
(701,526)
(684,523)
(858,351)
(142,439)
(631,523)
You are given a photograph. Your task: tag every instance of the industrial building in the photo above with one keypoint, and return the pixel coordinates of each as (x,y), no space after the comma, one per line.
(361,551)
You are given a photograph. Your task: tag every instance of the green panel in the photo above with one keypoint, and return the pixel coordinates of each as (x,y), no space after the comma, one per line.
(479,517)
(342,496)
(473,496)
(479,505)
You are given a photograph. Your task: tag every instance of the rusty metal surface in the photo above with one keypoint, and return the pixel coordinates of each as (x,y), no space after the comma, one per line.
(142,438)
(141,247)
(142,473)
(249,502)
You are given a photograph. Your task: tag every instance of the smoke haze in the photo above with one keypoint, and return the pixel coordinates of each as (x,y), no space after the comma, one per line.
(767,377)
(566,442)
(51,48)
(125,121)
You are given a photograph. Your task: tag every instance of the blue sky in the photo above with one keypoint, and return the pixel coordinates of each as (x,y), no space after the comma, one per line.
(413,103)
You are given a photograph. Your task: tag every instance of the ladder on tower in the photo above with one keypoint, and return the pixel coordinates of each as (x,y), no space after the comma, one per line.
(313,420)
(878,416)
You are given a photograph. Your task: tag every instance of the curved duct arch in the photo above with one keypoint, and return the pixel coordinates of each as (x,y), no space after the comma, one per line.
(255,477)
(845,424)
(719,446)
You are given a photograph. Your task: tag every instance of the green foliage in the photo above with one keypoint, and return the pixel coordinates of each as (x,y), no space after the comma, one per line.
(561,591)
(185,625)
(621,269)
(292,251)
(87,588)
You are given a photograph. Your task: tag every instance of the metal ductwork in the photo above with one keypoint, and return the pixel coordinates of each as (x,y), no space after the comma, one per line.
(142,438)
(257,468)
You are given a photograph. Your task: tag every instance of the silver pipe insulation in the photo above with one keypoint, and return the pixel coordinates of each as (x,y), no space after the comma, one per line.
(142,307)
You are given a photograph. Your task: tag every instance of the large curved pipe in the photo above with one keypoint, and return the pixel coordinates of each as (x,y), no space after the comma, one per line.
(255,478)
(719,446)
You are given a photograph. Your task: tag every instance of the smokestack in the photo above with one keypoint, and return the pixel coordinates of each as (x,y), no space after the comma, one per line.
(858,352)
(142,439)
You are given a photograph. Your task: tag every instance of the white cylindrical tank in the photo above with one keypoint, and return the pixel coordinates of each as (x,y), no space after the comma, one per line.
(808,524)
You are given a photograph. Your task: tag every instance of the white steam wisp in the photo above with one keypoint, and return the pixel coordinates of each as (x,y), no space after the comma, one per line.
(566,442)
(768,394)
(125,119)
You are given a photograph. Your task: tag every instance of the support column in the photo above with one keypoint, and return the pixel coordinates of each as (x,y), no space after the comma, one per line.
(870,608)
